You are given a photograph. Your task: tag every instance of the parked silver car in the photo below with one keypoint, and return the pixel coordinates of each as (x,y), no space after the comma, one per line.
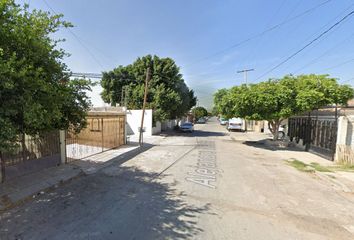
(223,121)
(201,120)
(235,124)
(187,127)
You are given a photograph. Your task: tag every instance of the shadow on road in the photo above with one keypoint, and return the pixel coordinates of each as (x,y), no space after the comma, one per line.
(100,160)
(195,133)
(263,145)
(115,203)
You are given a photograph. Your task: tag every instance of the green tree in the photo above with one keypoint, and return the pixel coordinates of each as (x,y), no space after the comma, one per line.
(36,93)
(199,112)
(278,99)
(219,101)
(168,94)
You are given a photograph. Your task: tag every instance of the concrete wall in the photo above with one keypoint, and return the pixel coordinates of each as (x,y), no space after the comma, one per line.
(157,128)
(168,124)
(345,141)
(252,125)
(134,121)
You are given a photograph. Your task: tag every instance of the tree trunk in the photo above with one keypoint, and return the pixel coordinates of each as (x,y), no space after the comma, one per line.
(274,128)
(2,163)
(24,147)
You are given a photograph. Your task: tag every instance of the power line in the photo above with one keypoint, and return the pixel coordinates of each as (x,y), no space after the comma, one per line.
(329,23)
(287,32)
(255,49)
(339,65)
(324,27)
(322,55)
(254,62)
(96,76)
(86,75)
(77,38)
(293,10)
(261,33)
(245,71)
(307,45)
(347,80)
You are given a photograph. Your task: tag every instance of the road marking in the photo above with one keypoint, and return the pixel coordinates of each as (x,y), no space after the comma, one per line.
(206,169)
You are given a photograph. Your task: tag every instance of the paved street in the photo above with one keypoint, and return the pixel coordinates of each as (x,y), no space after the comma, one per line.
(189,186)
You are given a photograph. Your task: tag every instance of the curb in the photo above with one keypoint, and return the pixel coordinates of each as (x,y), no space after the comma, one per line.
(6,202)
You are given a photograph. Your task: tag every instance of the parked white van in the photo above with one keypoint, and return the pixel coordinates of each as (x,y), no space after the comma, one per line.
(235,124)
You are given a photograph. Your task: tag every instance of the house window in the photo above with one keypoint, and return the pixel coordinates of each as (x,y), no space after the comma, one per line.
(95,125)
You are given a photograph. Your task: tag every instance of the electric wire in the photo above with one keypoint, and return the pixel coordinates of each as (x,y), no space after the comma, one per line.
(260,33)
(307,45)
(322,55)
(339,65)
(254,50)
(77,38)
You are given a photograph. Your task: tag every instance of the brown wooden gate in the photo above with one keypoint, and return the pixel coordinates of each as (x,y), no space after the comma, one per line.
(101,134)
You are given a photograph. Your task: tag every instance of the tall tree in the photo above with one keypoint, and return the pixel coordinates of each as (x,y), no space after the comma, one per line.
(36,93)
(168,94)
(278,99)
(218,100)
(199,112)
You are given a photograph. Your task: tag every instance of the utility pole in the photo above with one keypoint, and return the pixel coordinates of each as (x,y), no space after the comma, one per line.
(122,97)
(144,104)
(245,71)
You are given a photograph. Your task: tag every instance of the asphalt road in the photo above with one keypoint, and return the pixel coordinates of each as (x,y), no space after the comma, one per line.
(189,186)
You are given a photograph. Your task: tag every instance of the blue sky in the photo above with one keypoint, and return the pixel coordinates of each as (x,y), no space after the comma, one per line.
(191,32)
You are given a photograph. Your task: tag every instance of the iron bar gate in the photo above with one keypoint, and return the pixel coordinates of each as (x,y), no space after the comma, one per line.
(319,135)
(33,153)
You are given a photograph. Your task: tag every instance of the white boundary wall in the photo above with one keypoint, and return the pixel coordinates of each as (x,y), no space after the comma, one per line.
(168,125)
(134,121)
(157,128)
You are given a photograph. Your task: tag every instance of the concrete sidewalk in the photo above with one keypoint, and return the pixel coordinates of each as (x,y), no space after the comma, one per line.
(249,136)
(98,161)
(340,180)
(18,190)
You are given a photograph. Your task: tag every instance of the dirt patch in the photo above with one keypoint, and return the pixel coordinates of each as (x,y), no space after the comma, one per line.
(303,167)
(323,226)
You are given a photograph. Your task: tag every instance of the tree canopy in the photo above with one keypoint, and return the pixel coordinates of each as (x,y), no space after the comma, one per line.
(168,94)
(36,93)
(199,112)
(219,102)
(278,99)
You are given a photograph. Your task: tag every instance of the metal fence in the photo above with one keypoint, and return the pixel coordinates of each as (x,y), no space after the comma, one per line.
(317,134)
(32,153)
(101,134)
